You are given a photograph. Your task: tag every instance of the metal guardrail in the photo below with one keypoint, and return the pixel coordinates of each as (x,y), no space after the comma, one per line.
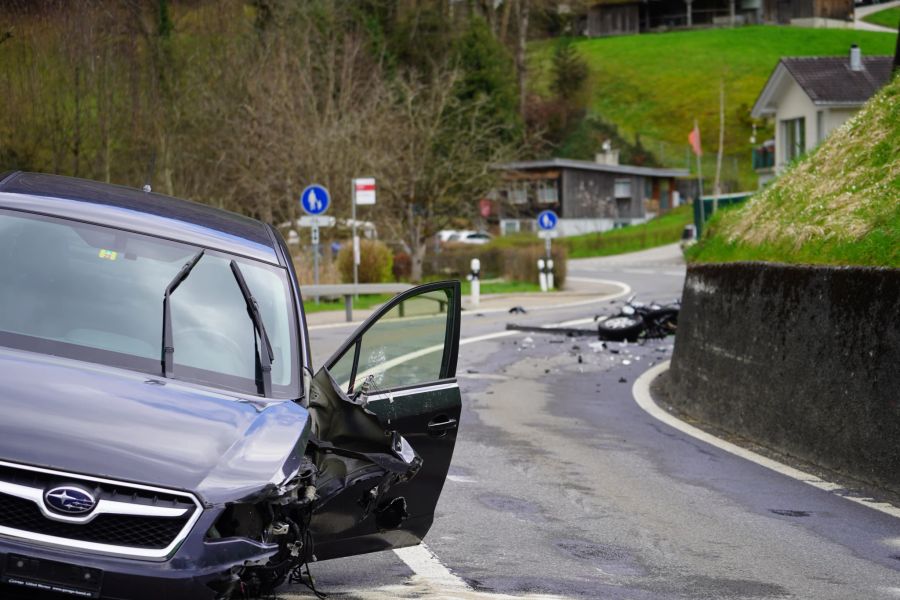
(349,290)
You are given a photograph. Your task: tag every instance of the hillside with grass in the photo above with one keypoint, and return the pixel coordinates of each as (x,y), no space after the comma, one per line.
(665,229)
(655,85)
(839,205)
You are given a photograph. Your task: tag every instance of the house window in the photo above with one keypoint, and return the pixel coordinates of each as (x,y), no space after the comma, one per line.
(518,195)
(820,126)
(623,188)
(794,134)
(547,194)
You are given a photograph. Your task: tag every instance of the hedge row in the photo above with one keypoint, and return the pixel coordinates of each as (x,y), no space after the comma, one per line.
(512,263)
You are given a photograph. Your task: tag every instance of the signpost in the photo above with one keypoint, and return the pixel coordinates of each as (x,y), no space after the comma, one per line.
(315,200)
(547,221)
(363,193)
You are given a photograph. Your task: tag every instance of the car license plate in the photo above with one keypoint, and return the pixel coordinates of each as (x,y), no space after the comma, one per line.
(50,576)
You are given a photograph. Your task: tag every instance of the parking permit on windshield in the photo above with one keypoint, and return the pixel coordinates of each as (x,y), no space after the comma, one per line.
(108,254)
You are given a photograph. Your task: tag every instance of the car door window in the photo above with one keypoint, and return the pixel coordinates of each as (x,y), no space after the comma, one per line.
(405,346)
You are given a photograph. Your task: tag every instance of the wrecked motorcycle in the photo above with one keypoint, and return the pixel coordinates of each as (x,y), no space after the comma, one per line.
(637,320)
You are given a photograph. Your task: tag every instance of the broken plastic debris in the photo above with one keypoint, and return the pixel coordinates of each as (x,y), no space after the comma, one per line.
(515,310)
(626,362)
(622,380)
(597,346)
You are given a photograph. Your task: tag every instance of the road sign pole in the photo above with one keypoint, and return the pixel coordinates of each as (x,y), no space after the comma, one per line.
(314,232)
(355,248)
(315,200)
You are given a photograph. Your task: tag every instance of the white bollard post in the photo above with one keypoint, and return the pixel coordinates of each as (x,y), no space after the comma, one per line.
(475,278)
(550,274)
(542,274)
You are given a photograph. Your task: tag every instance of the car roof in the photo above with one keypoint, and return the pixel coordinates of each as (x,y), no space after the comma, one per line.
(135,210)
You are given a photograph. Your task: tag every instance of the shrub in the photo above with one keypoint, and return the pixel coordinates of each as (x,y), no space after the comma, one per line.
(514,262)
(375,262)
(402,266)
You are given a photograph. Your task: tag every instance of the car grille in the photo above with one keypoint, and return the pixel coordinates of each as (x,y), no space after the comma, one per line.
(148,536)
(115,530)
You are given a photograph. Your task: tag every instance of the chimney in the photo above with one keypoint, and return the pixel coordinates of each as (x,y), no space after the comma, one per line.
(609,156)
(855,58)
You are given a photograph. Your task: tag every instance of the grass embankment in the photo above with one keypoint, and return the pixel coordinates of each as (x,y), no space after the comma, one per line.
(889,17)
(662,230)
(839,205)
(655,85)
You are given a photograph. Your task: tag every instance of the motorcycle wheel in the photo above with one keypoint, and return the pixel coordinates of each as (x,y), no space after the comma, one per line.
(620,327)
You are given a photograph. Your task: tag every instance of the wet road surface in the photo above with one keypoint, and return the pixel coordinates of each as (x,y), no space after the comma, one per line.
(563,487)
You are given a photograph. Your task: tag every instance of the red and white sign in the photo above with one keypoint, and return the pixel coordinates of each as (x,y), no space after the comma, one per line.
(364,190)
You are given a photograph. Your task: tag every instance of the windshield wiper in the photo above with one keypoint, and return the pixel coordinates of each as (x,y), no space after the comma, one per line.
(264,355)
(168,349)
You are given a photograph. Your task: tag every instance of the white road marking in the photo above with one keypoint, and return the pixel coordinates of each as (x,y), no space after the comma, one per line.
(641,392)
(461,479)
(422,561)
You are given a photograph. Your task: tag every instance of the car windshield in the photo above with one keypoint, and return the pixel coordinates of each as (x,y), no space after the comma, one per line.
(95,293)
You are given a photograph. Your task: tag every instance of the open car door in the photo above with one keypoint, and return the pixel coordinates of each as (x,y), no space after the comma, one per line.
(385,410)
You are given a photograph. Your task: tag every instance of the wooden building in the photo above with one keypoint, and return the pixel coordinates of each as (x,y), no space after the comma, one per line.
(618,17)
(807,12)
(587,196)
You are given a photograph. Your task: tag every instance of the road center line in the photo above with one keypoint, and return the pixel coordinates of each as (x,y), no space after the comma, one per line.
(423,562)
(641,392)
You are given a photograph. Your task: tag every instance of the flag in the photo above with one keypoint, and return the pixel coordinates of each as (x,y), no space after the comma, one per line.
(694,140)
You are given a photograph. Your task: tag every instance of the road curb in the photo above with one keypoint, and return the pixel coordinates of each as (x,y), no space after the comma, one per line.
(641,393)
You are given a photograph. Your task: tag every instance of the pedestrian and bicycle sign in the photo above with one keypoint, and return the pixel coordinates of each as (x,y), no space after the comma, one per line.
(547,220)
(315,199)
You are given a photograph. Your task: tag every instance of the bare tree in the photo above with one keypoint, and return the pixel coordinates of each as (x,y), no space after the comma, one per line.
(439,162)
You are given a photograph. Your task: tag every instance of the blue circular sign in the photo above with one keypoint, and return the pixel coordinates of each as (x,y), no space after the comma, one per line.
(315,199)
(547,220)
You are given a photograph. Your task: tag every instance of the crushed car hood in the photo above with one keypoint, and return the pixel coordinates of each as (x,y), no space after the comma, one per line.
(104,422)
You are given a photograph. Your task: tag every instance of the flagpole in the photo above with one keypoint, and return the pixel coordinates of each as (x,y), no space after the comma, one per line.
(699,183)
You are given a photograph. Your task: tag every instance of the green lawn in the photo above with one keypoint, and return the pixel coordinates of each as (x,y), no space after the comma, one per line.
(500,286)
(889,17)
(362,302)
(655,85)
(663,230)
(494,286)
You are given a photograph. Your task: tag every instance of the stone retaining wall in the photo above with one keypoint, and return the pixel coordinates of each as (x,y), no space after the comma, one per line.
(803,359)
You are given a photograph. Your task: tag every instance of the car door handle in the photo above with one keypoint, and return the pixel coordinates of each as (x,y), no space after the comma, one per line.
(441,424)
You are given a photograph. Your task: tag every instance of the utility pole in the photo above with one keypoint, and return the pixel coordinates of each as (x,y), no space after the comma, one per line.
(897,52)
(699,182)
(717,188)
(521,68)
(690,16)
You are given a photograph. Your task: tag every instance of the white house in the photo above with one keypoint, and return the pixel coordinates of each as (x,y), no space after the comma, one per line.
(808,97)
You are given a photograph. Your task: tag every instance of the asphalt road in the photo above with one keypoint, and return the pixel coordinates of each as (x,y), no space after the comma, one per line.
(562,486)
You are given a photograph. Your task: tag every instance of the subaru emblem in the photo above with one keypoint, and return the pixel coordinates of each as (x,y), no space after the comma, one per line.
(70,500)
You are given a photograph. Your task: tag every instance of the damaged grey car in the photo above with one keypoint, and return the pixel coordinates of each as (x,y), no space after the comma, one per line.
(164,434)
